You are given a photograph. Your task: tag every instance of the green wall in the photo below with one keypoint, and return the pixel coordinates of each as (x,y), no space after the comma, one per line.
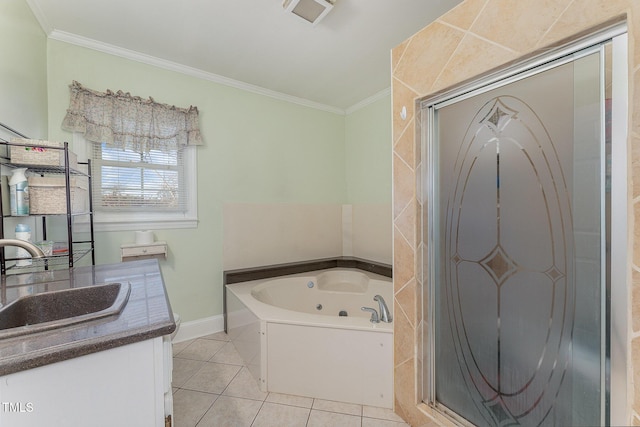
(368,153)
(23,70)
(257,149)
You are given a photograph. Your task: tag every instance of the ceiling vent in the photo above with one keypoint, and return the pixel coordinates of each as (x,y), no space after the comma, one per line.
(309,10)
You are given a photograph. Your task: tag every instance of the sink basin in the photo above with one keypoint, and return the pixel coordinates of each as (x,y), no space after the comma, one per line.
(56,309)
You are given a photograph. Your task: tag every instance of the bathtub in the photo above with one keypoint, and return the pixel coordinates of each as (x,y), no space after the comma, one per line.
(305,334)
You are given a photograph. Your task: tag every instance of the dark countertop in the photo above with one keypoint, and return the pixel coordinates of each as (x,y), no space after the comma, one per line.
(146,315)
(264,272)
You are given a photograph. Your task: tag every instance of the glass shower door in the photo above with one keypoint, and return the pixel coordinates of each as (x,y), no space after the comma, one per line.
(520,193)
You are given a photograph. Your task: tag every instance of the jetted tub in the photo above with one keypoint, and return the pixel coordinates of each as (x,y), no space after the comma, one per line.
(306,335)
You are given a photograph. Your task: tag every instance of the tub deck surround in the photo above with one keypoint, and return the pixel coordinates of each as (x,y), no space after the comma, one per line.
(270,300)
(305,334)
(277,270)
(146,315)
(267,271)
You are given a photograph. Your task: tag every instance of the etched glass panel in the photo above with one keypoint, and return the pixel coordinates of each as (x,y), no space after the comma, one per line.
(518,251)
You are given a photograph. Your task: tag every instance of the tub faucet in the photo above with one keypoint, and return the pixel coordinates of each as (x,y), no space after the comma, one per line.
(374,314)
(385,316)
(33,250)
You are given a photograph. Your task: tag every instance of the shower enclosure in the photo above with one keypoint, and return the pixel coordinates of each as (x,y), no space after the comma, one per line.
(526,248)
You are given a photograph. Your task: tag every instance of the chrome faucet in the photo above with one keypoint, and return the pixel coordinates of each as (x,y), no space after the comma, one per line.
(374,314)
(33,250)
(385,316)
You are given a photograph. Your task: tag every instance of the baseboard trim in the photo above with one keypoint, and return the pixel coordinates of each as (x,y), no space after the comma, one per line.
(199,328)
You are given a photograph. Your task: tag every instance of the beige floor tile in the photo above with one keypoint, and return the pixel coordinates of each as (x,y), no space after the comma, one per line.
(373,422)
(207,393)
(330,419)
(177,347)
(232,412)
(380,413)
(212,378)
(288,399)
(273,414)
(340,407)
(220,336)
(245,386)
(227,354)
(183,370)
(201,349)
(189,406)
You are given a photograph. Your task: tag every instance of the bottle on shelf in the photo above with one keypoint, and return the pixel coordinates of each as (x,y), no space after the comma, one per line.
(23,232)
(19,192)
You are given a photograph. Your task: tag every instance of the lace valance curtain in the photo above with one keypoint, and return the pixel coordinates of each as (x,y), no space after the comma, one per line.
(130,122)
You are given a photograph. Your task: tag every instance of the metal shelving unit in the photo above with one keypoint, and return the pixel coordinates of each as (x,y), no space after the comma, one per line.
(77,249)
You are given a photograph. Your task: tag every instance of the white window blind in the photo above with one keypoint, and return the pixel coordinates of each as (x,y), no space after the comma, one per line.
(129,180)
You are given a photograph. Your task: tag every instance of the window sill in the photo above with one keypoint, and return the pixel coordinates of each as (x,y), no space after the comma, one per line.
(144,225)
(107,224)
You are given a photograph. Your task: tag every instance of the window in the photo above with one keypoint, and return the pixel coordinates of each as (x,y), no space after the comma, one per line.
(143,159)
(134,190)
(128,180)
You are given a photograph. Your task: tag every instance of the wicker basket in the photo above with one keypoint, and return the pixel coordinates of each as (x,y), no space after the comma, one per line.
(40,156)
(47,195)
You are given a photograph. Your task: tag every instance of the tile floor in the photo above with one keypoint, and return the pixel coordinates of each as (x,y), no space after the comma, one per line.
(211,387)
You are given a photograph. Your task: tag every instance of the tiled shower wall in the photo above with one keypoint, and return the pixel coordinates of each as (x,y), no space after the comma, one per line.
(473,38)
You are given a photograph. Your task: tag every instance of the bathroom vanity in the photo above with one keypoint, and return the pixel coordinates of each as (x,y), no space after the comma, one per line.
(104,371)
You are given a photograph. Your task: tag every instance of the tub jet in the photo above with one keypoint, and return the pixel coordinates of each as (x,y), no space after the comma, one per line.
(343,313)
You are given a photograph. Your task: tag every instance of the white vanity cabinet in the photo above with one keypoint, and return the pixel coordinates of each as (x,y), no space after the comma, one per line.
(123,386)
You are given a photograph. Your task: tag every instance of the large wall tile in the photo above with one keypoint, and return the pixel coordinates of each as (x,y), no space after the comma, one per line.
(408,299)
(402,96)
(419,69)
(406,224)
(405,147)
(403,261)
(403,342)
(518,27)
(579,16)
(463,15)
(404,185)
(397,52)
(634,31)
(466,62)
(372,231)
(405,385)
(635,301)
(634,178)
(635,358)
(636,234)
(634,82)
(258,234)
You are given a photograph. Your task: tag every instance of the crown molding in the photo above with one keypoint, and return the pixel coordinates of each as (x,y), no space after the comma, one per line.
(40,16)
(179,68)
(370,100)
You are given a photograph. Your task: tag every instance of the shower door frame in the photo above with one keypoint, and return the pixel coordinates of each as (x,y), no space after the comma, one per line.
(615,368)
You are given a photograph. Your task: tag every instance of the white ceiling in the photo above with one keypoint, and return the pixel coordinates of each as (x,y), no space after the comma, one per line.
(340,62)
